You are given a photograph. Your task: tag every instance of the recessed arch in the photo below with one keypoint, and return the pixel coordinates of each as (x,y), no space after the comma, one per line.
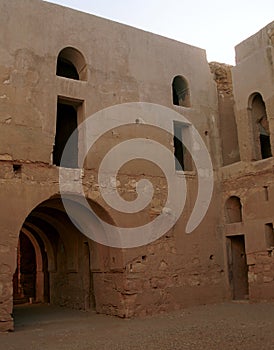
(180,91)
(71,64)
(39,276)
(260,127)
(71,258)
(48,247)
(25,276)
(233,210)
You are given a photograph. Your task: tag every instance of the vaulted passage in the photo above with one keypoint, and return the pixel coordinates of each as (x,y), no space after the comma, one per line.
(54,260)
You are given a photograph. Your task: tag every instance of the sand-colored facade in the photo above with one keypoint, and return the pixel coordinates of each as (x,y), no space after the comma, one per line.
(56,63)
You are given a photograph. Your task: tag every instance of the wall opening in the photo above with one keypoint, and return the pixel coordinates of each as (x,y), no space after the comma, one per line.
(31,278)
(66,123)
(71,64)
(233,210)
(24,278)
(53,262)
(260,128)
(264,138)
(237,265)
(269,235)
(55,255)
(183,159)
(266,194)
(180,92)
(17,170)
(66,69)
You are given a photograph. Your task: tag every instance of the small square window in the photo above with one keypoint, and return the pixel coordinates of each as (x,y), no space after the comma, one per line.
(17,170)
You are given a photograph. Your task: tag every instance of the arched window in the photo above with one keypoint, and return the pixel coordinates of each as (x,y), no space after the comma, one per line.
(71,64)
(180,91)
(260,126)
(233,210)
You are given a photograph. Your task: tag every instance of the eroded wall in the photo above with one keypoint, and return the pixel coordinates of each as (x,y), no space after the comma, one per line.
(252,179)
(227,122)
(123,64)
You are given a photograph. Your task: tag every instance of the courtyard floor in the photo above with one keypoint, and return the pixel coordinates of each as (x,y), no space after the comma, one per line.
(233,325)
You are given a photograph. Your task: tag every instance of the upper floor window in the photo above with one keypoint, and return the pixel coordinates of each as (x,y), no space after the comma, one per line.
(68,114)
(183,159)
(71,64)
(180,91)
(260,126)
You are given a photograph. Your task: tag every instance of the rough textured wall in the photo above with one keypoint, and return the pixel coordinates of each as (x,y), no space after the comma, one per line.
(123,64)
(252,180)
(253,73)
(255,189)
(227,123)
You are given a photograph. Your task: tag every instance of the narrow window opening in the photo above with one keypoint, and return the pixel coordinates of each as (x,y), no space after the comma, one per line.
(264,138)
(180,92)
(260,126)
(183,160)
(66,124)
(178,147)
(269,235)
(266,195)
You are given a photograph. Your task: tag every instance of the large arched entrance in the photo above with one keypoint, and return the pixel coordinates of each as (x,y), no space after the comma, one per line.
(55,261)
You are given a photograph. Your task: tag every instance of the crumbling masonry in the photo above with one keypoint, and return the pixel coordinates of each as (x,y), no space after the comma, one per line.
(59,66)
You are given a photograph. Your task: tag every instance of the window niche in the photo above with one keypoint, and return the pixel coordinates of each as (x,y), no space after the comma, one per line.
(260,127)
(233,210)
(183,159)
(180,92)
(269,235)
(71,64)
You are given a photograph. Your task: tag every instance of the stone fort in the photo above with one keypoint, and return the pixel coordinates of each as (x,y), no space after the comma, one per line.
(58,67)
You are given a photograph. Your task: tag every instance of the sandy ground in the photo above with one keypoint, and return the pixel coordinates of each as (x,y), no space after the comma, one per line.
(223,326)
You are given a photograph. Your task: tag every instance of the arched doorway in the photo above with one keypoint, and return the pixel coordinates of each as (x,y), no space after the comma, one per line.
(56,261)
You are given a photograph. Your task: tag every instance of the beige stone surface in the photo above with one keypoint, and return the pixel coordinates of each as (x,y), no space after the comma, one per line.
(123,64)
